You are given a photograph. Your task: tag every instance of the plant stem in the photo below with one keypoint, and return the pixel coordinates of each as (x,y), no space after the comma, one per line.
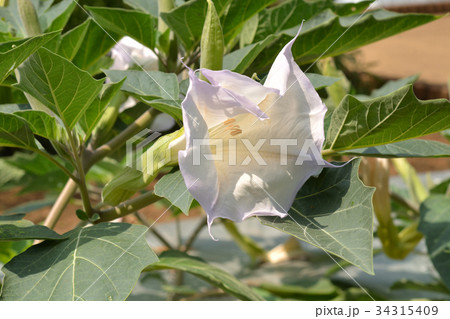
(153,230)
(194,235)
(92,157)
(63,199)
(128,207)
(329,152)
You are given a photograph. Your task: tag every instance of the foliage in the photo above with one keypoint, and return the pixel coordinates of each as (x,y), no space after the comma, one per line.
(62,114)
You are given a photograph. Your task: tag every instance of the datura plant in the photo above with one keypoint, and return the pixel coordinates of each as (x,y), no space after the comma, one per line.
(198,107)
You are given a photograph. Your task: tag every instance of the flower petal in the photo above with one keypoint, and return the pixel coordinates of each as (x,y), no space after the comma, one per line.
(299,98)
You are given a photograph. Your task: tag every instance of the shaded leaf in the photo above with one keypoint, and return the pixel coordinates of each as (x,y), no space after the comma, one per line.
(138,25)
(56,17)
(147,84)
(435,225)
(187,20)
(10,249)
(215,276)
(408,148)
(15,132)
(291,13)
(72,40)
(94,112)
(102,262)
(41,124)
(19,229)
(63,88)
(384,120)
(328,34)
(171,107)
(239,60)
(333,224)
(96,44)
(238,13)
(173,187)
(320,81)
(13,53)
(144,5)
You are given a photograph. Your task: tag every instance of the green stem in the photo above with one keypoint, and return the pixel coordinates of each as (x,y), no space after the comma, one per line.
(329,153)
(247,244)
(152,229)
(128,207)
(188,244)
(63,199)
(92,157)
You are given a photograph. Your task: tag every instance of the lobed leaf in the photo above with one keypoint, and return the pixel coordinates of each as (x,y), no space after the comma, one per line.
(384,120)
(102,262)
(341,224)
(62,87)
(215,276)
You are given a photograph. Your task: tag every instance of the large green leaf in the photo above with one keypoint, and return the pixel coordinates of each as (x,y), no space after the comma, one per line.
(102,262)
(328,34)
(41,124)
(72,40)
(334,213)
(391,118)
(408,148)
(12,54)
(138,25)
(94,112)
(435,225)
(147,84)
(238,13)
(215,276)
(96,44)
(15,132)
(173,187)
(291,13)
(18,229)
(187,20)
(62,87)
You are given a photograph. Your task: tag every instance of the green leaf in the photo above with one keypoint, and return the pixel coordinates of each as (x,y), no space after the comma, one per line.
(11,229)
(291,13)
(171,107)
(41,124)
(173,187)
(238,13)
(15,132)
(341,224)
(63,88)
(384,120)
(10,249)
(144,5)
(94,112)
(320,81)
(72,40)
(239,60)
(28,207)
(138,25)
(328,34)
(56,17)
(408,148)
(147,84)
(187,20)
(96,44)
(215,276)
(435,225)
(307,289)
(12,54)
(393,85)
(102,262)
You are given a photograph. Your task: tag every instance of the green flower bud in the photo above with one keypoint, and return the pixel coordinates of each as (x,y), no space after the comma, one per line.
(212,43)
(29,18)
